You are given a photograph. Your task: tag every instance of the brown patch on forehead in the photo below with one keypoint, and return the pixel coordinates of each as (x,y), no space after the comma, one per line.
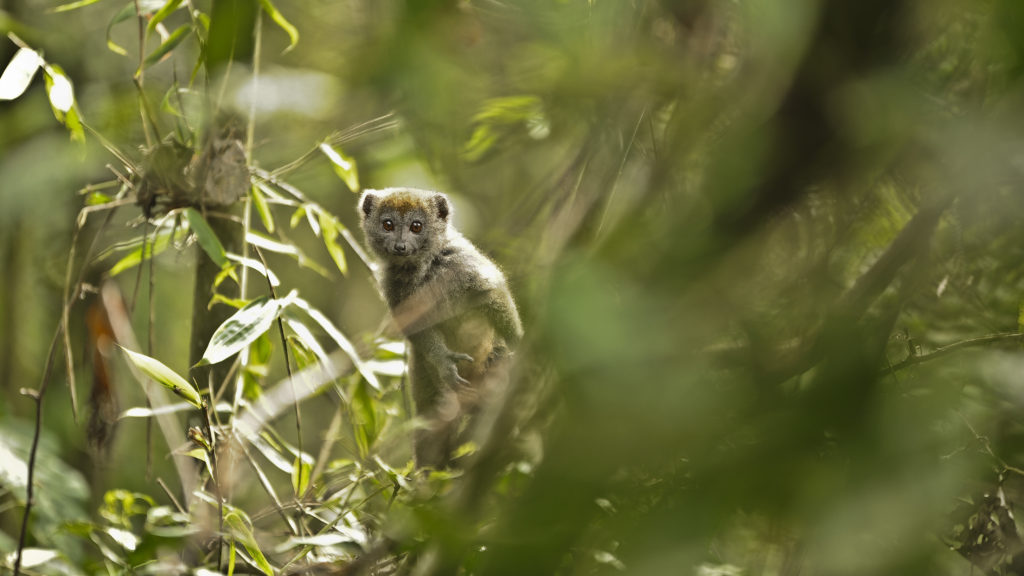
(403,201)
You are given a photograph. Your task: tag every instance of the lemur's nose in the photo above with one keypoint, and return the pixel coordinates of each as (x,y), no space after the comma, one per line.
(400,247)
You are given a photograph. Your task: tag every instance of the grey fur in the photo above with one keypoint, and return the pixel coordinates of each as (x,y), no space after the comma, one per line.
(450,301)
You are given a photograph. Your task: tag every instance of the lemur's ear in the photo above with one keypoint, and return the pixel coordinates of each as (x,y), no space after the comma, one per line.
(367,202)
(443,207)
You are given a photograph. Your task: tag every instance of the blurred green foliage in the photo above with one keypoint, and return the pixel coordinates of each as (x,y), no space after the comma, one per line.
(769,254)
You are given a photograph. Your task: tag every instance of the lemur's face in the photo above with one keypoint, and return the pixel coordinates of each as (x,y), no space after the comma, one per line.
(404,224)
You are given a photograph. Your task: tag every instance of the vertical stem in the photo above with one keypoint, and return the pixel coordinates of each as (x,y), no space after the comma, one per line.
(30,488)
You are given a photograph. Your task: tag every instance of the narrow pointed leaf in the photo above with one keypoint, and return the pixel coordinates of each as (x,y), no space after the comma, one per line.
(241,329)
(125,13)
(207,239)
(293,33)
(143,252)
(73,5)
(330,236)
(344,343)
(164,376)
(344,166)
(165,48)
(161,14)
(243,534)
(263,209)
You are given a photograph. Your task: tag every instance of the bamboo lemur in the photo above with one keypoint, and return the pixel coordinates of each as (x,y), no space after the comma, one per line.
(449,300)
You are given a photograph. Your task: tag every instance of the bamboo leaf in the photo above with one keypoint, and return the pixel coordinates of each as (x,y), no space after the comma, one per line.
(125,13)
(330,235)
(161,14)
(19,72)
(266,216)
(164,376)
(73,6)
(207,238)
(340,339)
(166,46)
(344,166)
(59,90)
(293,33)
(241,329)
(242,533)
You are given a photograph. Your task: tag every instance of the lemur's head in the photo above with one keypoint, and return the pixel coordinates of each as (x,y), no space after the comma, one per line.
(405,224)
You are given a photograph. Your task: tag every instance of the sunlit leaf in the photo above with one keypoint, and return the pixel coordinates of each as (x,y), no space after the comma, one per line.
(239,527)
(203,456)
(143,251)
(206,237)
(340,339)
(266,216)
(297,216)
(264,243)
(59,90)
(257,266)
(344,166)
(330,236)
(19,72)
(166,46)
(73,5)
(305,336)
(126,539)
(293,33)
(161,14)
(143,412)
(241,329)
(165,376)
(32,557)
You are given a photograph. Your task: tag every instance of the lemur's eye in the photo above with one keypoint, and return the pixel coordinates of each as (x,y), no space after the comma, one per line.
(416,227)
(388,224)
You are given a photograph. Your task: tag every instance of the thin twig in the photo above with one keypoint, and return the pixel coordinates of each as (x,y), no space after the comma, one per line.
(150,346)
(30,488)
(288,369)
(938,353)
(170,495)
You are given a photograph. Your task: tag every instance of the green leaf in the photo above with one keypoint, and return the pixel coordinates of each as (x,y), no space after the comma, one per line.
(300,476)
(241,329)
(165,376)
(207,239)
(266,243)
(161,14)
(344,166)
(330,234)
(266,216)
(201,455)
(125,13)
(340,339)
(231,559)
(241,531)
(299,213)
(73,6)
(19,72)
(59,91)
(293,33)
(143,251)
(74,125)
(165,48)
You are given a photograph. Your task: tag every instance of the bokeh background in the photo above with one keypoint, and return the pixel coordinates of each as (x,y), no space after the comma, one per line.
(769,256)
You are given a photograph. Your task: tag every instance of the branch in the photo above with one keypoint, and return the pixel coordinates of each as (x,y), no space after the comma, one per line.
(981,340)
